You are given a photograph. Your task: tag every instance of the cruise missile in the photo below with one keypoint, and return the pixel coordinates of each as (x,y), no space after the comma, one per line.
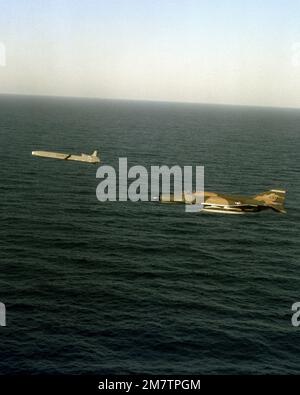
(93,158)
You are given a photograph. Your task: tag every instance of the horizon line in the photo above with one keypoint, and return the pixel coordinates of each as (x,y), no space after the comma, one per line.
(150,101)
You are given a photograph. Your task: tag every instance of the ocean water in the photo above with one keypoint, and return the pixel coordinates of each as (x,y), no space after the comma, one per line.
(115,287)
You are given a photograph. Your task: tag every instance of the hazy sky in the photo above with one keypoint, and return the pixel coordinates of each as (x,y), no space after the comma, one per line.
(213,51)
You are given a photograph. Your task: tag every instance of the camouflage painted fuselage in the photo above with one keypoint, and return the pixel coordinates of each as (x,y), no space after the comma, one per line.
(232,204)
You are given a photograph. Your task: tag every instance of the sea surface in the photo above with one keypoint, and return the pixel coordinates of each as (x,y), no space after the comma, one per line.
(123,287)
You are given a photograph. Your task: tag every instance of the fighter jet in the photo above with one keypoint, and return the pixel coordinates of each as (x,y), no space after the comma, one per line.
(93,158)
(229,204)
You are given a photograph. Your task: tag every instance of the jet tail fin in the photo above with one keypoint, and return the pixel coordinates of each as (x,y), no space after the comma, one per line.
(274,198)
(95,153)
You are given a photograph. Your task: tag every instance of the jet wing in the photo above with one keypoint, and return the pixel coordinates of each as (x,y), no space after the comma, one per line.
(234,201)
